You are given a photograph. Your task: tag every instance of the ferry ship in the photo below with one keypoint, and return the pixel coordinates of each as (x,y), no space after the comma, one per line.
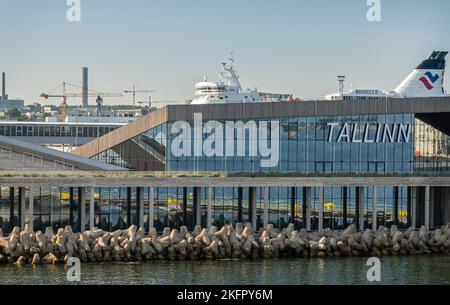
(427,80)
(229,90)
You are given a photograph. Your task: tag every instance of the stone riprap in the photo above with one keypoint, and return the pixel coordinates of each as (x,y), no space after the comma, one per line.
(239,242)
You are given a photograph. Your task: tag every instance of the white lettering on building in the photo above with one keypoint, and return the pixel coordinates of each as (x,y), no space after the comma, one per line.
(234,139)
(381,133)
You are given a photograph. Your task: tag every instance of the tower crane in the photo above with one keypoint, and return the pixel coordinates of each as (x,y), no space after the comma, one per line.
(150,103)
(134,91)
(65,95)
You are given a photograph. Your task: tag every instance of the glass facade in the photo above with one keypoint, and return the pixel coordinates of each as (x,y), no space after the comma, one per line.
(432,148)
(145,152)
(304,143)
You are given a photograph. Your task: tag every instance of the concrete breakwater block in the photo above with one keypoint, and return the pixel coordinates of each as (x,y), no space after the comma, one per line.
(34,248)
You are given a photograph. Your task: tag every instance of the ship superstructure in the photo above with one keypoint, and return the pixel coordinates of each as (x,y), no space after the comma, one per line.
(229,90)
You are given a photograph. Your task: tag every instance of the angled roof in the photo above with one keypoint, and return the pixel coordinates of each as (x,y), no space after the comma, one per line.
(48,157)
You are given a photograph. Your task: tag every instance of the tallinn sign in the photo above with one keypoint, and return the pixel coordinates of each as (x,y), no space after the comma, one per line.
(370,133)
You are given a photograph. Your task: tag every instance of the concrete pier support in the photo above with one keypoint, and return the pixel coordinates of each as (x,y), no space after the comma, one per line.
(11,207)
(374,208)
(185,199)
(266,206)
(361,209)
(82,207)
(92,209)
(151,208)
(252,206)
(345,206)
(198,205)
(129,195)
(308,209)
(31,208)
(432,203)
(396,205)
(427,207)
(321,204)
(413,207)
(140,202)
(239,207)
(209,208)
(293,203)
(22,208)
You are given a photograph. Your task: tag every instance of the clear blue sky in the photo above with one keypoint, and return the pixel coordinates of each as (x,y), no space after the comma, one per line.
(291,46)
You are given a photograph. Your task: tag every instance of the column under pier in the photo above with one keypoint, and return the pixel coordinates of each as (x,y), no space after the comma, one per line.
(31,209)
(266,206)
(374,208)
(427,207)
(151,208)
(82,207)
(92,209)
(321,203)
(308,209)
(209,208)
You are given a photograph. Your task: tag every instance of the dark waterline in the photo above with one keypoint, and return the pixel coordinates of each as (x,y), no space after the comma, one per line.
(394,270)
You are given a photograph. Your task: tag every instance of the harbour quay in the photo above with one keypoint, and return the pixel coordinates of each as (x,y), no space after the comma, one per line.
(292,185)
(136,237)
(112,201)
(306,177)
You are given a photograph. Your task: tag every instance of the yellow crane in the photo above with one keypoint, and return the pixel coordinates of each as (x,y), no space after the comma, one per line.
(65,95)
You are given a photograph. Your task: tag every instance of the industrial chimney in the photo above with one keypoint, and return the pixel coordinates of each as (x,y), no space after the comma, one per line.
(85,97)
(4,96)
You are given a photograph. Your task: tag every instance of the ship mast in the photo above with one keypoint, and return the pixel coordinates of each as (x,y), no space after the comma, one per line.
(233,76)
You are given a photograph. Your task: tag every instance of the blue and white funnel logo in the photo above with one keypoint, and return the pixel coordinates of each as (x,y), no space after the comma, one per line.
(429,79)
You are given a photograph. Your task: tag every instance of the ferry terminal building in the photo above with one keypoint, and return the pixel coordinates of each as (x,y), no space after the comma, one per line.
(369,163)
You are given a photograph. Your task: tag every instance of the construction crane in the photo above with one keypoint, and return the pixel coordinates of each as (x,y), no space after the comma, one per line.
(134,91)
(65,95)
(149,103)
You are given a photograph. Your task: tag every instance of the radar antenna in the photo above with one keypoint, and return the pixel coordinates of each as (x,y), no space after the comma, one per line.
(341,80)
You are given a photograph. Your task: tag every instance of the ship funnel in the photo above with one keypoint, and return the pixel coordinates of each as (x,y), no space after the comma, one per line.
(427,80)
